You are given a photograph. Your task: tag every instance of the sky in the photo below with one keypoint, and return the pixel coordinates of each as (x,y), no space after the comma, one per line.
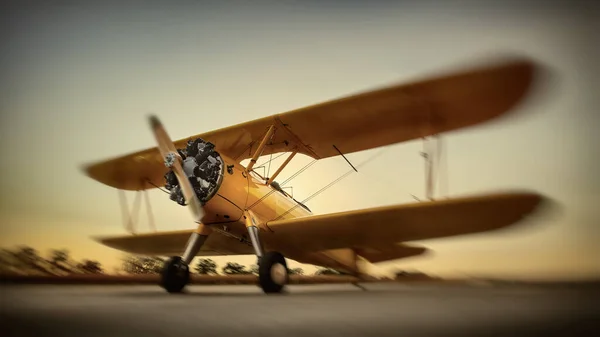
(78,81)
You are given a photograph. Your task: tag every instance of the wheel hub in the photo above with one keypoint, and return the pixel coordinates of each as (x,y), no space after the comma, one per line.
(278,273)
(170,159)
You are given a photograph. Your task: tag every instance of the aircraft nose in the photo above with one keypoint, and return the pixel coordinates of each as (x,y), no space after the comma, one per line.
(204,168)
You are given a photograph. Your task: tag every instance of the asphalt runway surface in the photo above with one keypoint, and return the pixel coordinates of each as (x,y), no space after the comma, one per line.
(305,310)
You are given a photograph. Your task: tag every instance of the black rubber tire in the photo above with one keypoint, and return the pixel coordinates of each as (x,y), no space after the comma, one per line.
(265,264)
(175,275)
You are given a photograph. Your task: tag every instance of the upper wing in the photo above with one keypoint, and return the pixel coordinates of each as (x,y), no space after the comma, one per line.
(173,243)
(360,122)
(382,226)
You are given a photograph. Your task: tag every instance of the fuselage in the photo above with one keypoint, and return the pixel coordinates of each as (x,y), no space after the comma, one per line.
(240,191)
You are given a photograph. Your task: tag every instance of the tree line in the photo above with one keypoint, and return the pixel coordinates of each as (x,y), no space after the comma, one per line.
(26,260)
(203,266)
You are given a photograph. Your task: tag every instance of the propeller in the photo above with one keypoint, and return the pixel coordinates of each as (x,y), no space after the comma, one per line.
(174,161)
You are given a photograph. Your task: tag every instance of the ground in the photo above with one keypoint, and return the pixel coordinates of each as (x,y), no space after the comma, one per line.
(306,310)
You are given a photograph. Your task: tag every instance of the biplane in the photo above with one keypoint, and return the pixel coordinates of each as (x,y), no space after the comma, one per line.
(238,211)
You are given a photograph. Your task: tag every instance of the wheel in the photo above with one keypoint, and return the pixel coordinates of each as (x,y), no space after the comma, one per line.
(272,272)
(175,275)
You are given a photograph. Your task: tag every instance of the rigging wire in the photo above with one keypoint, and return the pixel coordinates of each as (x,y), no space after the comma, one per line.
(283,183)
(124,209)
(426,156)
(435,167)
(269,169)
(438,149)
(332,183)
(129,218)
(160,188)
(149,211)
(299,172)
(444,156)
(270,160)
(432,153)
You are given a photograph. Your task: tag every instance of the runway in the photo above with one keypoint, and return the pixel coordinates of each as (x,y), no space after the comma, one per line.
(385,309)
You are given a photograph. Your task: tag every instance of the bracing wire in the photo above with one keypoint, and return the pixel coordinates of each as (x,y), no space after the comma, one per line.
(445,181)
(269,169)
(332,183)
(153,184)
(432,152)
(283,183)
(438,156)
(270,160)
(435,168)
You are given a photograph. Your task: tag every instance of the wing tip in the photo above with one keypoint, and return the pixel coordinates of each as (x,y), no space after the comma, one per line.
(543,206)
(528,207)
(530,200)
(104,240)
(87,168)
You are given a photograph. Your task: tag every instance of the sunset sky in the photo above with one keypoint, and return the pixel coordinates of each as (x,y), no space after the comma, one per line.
(77,82)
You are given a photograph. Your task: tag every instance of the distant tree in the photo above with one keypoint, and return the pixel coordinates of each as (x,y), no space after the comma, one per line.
(206,266)
(59,259)
(59,256)
(296,271)
(90,267)
(28,255)
(233,268)
(142,264)
(28,260)
(8,262)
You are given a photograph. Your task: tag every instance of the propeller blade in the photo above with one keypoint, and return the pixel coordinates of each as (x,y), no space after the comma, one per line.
(174,161)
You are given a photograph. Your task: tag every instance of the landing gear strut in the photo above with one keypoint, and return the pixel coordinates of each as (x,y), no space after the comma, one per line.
(176,271)
(273,273)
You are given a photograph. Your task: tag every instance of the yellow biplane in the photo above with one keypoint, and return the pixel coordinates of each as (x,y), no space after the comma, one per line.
(238,211)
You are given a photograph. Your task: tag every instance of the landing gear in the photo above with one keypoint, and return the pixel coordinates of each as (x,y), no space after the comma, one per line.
(272,268)
(176,271)
(175,275)
(272,272)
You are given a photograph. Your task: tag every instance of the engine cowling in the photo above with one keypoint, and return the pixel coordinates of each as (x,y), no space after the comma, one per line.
(204,168)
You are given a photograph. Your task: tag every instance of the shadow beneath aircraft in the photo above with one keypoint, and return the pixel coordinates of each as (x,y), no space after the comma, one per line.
(253,292)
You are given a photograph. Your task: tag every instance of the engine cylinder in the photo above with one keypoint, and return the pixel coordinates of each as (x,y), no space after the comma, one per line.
(204,168)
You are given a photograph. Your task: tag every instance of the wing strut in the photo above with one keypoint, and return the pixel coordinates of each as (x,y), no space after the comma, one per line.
(432,155)
(130,218)
(302,203)
(281,167)
(261,147)
(149,209)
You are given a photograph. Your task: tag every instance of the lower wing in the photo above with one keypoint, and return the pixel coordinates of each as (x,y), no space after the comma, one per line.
(384,226)
(173,243)
(372,233)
